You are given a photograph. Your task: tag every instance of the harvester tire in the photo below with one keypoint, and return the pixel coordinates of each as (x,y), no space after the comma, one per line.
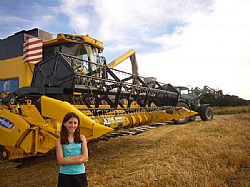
(183,120)
(206,113)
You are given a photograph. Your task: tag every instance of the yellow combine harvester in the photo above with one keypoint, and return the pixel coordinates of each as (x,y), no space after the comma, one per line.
(71,77)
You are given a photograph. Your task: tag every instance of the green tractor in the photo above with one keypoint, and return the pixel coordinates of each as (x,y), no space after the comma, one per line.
(190,99)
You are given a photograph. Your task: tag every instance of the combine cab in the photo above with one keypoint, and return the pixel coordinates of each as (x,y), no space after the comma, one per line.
(69,75)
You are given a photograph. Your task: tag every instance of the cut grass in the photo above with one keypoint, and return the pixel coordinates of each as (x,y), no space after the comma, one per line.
(212,153)
(231,110)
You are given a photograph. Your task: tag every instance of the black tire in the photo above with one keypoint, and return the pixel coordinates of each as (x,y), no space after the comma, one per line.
(206,113)
(183,120)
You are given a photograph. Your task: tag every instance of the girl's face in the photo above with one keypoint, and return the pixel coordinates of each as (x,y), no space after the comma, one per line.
(71,125)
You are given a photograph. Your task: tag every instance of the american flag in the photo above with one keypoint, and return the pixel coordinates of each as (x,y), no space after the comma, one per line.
(32,49)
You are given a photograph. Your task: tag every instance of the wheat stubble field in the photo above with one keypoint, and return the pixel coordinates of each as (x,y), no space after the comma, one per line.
(213,153)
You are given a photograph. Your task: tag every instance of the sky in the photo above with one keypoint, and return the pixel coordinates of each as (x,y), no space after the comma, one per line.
(182,42)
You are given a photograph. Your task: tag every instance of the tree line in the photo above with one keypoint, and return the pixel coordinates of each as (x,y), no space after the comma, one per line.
(225,100)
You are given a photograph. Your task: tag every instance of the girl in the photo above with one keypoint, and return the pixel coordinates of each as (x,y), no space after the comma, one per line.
(72,153)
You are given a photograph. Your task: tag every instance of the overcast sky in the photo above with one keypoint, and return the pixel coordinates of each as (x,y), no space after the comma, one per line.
(182,42)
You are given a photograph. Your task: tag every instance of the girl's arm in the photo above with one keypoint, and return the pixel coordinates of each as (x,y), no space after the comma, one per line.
(67,160)
(85,154)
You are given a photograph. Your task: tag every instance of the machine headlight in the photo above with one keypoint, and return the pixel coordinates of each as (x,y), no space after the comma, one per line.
(75,38)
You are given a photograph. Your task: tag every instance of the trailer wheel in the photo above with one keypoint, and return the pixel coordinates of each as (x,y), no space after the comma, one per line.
(206,113)
(183,120)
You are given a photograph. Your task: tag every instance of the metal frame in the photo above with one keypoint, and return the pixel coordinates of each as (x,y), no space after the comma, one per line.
(60,76)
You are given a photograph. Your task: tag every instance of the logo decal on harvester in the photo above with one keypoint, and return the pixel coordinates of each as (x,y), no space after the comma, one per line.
(6,123)
(113,120)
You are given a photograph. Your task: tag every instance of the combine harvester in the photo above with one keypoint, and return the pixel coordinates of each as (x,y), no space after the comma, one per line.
(44,76)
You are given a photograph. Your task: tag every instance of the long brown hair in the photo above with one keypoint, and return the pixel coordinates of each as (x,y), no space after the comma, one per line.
(64,132)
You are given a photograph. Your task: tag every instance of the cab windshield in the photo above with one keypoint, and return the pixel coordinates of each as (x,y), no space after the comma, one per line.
(85,52)
(82,51)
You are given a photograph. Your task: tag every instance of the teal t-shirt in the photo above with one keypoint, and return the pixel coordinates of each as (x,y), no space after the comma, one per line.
(72,149)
